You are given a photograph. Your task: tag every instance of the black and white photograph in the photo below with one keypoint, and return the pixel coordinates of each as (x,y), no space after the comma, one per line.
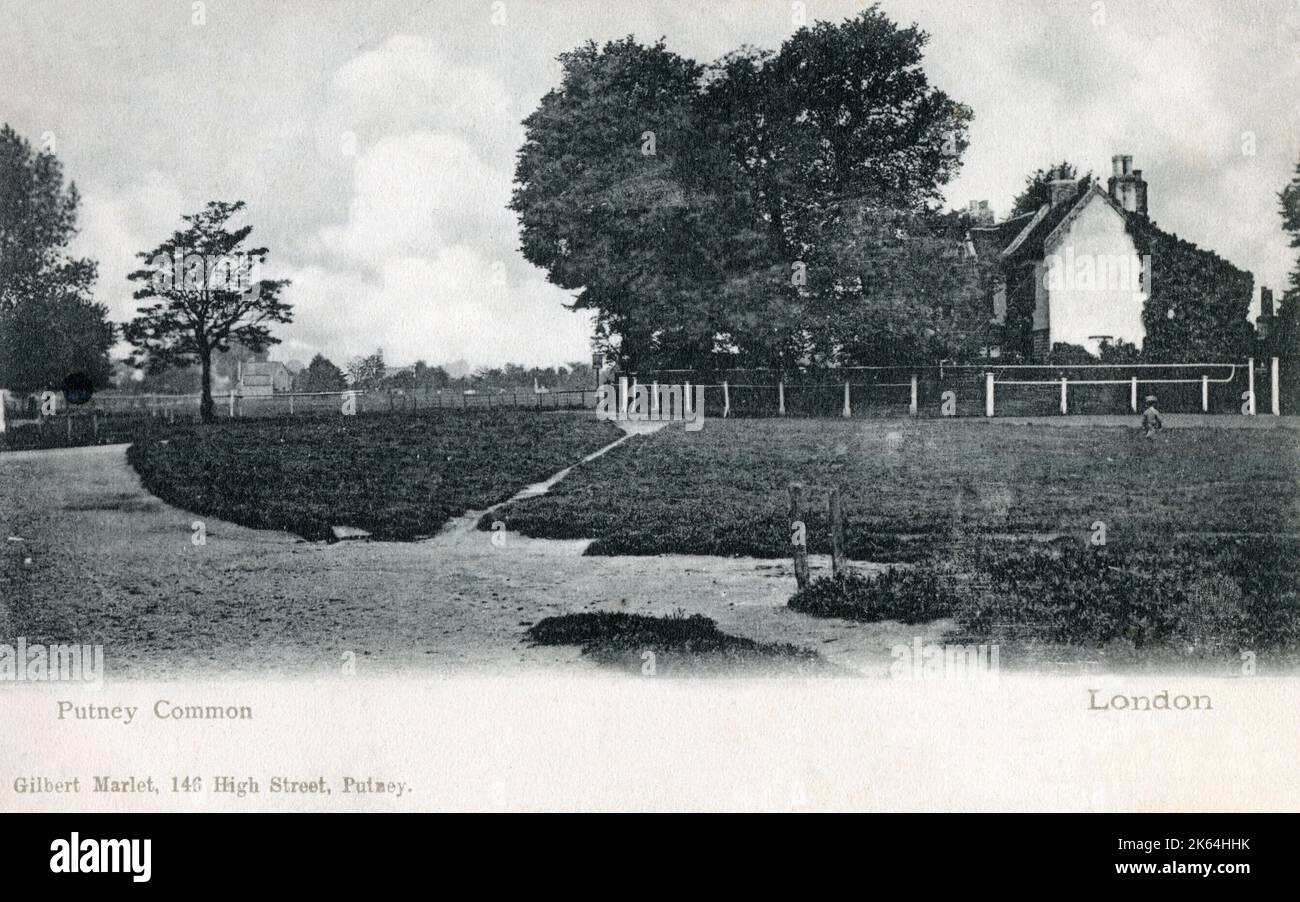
(513,382)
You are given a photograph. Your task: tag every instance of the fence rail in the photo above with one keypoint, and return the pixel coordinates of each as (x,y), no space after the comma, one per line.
(965,390)
(988,389)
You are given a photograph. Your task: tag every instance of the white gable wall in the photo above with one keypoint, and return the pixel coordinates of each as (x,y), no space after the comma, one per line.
(1091,280)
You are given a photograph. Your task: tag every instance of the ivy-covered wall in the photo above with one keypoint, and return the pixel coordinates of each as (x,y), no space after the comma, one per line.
(1210,299)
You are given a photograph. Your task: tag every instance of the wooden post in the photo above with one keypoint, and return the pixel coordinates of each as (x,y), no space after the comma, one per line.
(1250,384)
(1133,394)
(1276,391)
(2,410)
(232,403)
(1064,404)
(654,400)
(69,427)
(988,394)
(1205,394)
(780,398)
(837,534)
(726,399)
(848,409)
(686,400)
(800,547)
(94,419)
(912,408)
(290,405)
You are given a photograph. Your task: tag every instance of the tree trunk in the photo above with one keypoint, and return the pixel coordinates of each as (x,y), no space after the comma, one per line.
(207,412)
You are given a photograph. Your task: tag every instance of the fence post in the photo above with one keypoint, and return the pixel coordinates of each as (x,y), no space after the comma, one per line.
(1133,394)
(848,410)
(94,419)
(1064,403)
(837,533)
(290,404)
(654,400)
(780,400)
(686,399)
(1205,394)
(1250,383)
(1276,391)
(2,411)
(911,409)
(232,403)
(988,394)
(726,399)
(800,547)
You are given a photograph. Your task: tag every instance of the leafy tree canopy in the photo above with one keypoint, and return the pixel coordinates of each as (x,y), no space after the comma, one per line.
(203,293)
(705,212)
(49,324)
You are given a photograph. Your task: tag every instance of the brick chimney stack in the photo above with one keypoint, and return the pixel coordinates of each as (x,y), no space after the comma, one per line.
(980,212)
(1127,185)
(1063,190)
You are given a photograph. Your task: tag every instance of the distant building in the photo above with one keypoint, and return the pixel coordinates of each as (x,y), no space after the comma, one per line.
(265,378)
(1075,264)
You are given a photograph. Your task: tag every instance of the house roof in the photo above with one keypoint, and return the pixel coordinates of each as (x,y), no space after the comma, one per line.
(1028,237)
(990,240)
(262,366)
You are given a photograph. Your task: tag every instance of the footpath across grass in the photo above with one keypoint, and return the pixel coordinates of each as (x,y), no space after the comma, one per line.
(397,477)
(912,488)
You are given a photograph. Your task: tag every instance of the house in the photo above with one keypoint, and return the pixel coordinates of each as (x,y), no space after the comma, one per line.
(264,378)
(1070,272)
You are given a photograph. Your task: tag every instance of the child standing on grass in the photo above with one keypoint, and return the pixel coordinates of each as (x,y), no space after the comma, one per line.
(1151,418)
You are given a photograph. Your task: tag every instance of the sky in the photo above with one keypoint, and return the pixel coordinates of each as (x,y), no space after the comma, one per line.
(374,142)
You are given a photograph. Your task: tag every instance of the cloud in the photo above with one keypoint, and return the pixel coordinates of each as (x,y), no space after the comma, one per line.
(425,264)
(117,224)
(453,304)
(417,192)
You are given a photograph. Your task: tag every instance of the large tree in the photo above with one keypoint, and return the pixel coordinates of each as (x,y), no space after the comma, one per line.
(49,324)
(367,372)
(1289,198)
(1284,337)
(697,210)
(205,293)
(321,375)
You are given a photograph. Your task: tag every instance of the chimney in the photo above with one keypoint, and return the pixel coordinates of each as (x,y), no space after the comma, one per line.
(1127,186)
(979,212)
(1063,190)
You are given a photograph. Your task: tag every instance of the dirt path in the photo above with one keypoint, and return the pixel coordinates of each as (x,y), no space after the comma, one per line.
(94,558)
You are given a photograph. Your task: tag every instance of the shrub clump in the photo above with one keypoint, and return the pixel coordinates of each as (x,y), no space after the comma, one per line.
(914,595)
(1208,599)
(679,644)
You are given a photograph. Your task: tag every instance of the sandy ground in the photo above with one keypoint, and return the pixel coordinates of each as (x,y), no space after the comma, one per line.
(90,557)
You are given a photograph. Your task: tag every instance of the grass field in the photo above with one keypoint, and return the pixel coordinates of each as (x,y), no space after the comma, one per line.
(913,486)
(398,478)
